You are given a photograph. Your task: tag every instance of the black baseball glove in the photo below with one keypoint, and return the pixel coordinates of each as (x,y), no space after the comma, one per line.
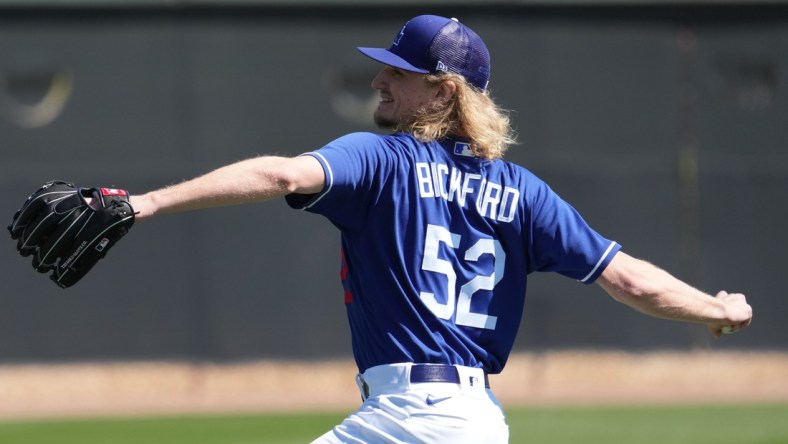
(68,229)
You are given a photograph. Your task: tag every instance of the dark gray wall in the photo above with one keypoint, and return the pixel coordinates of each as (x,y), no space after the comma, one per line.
(666,128)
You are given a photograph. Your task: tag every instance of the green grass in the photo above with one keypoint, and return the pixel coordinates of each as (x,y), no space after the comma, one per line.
(219,429)
(756,424)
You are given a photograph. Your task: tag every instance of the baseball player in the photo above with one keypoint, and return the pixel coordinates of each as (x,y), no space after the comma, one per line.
(438,236)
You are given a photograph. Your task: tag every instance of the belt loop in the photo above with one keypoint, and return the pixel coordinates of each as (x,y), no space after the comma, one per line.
(363,388)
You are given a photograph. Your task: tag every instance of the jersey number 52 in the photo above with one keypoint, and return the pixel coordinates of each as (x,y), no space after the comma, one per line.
(462,304)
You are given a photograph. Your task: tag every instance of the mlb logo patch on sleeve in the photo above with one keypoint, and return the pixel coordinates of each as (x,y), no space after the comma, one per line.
(463,149)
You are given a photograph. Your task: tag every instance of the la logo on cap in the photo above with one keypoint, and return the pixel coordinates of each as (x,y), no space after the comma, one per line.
(399,36)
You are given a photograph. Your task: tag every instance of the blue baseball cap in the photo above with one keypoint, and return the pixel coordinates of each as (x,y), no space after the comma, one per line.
(430,44)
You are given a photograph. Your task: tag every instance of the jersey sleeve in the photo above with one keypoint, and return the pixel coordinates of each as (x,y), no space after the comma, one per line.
(562,241)
(352,163)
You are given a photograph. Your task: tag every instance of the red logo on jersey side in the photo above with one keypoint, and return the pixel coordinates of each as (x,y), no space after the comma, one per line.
(343,275)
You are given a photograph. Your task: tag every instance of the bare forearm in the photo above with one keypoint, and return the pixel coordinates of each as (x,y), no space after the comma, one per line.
(655,292)
(251,180)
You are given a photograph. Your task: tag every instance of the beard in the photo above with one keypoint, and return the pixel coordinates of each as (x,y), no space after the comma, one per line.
(384,123)
(393,125)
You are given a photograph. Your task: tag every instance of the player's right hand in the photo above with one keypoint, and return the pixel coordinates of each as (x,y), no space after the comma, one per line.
(738,314)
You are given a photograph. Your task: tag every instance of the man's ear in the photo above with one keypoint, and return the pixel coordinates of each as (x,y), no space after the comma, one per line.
(446,90)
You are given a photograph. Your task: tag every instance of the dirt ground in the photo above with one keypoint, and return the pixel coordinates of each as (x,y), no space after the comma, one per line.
(152,388)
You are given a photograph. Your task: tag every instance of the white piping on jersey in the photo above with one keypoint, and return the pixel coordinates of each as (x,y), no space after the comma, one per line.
(330,178)
(609,248)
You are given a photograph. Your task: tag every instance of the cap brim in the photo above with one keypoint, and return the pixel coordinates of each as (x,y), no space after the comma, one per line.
(387,57)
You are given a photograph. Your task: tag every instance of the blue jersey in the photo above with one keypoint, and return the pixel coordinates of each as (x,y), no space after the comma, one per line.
(437,246)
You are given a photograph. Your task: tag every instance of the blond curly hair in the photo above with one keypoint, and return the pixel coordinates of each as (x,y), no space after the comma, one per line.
(470,113)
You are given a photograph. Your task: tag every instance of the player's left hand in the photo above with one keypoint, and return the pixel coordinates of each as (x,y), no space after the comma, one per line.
(68,229)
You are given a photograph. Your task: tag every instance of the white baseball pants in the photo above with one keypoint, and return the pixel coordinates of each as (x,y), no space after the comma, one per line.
(397,410)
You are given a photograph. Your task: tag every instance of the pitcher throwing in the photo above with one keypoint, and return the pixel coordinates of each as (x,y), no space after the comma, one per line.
(438,236)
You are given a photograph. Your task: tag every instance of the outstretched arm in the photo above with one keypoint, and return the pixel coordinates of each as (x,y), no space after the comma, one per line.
(251,180)
(653,291)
